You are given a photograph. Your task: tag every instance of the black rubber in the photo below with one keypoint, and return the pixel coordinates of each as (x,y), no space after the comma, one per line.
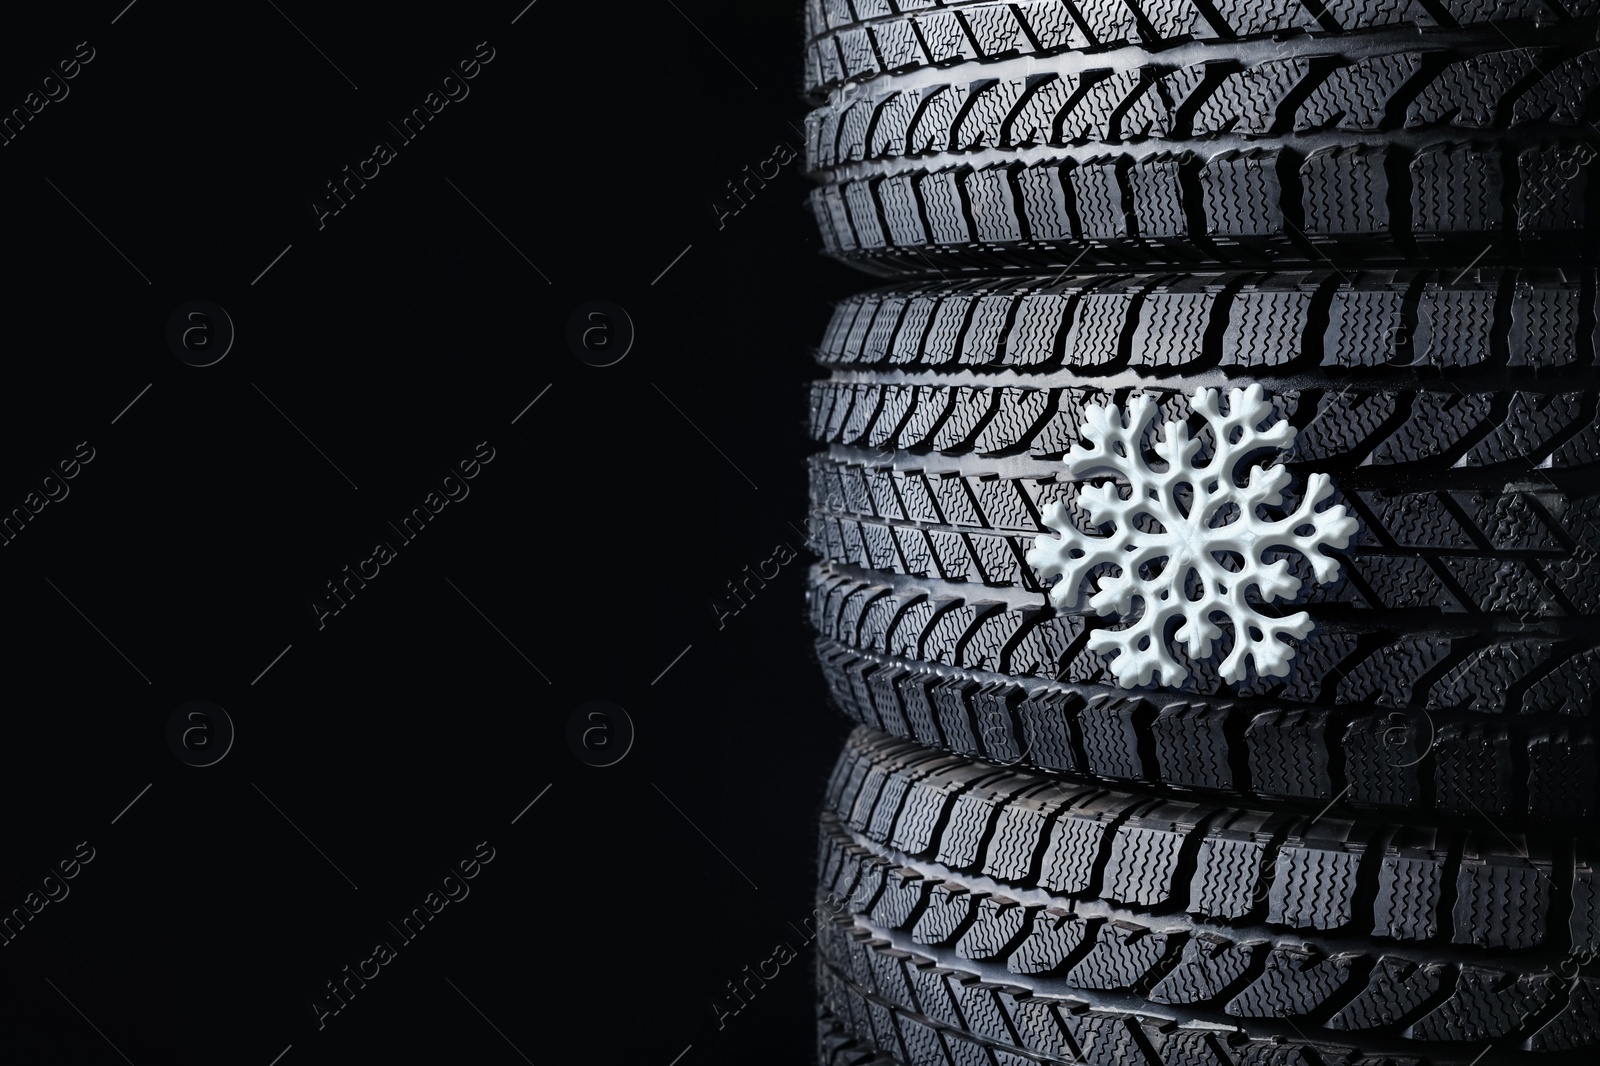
(1380,437)
(1519,322)
(1455,652)
(1451,145)
(1379,213)
(859,39)
(1522,554)
(985,912)
(1448,757)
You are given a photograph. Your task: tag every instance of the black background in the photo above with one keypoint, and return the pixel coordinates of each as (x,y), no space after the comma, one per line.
(379,350)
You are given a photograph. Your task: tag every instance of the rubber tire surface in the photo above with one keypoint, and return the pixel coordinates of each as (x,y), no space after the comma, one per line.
(980,911)
(859,39)
(1448,144)
(1455,655)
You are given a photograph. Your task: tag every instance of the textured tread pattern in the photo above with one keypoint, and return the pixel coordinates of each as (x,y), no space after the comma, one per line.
(1519,431)
(1088,966)
(1392,665)
(882,37)
(1523,554)
(1463,150)
(1363,756)
(1520,322)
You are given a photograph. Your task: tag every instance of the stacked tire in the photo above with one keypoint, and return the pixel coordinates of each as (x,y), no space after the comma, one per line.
(1331,264)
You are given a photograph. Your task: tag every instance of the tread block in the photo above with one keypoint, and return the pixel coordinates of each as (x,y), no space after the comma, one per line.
(1110,729)
(1456,188)
(1296,981)
(1192,746)
(1358,97)
(1562,778)
(1122,955)
(998,922)
(1241,194)
(1314,884)
(1502,901)
(1208,969)
(1553,189)
(1070,852)
(1472,768)
(1047,728)
(1288,752)
(1474,91)
(1410,886)
(1227,871)
(1381,756)
(1485,1004)
(1345,191)
(949,909)
(904,893)
(1018,832)
(1052,937)
(1395,989)
(1575,1024)
(1144,855)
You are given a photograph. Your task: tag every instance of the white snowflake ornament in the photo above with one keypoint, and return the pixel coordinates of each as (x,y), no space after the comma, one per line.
(1170,548)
